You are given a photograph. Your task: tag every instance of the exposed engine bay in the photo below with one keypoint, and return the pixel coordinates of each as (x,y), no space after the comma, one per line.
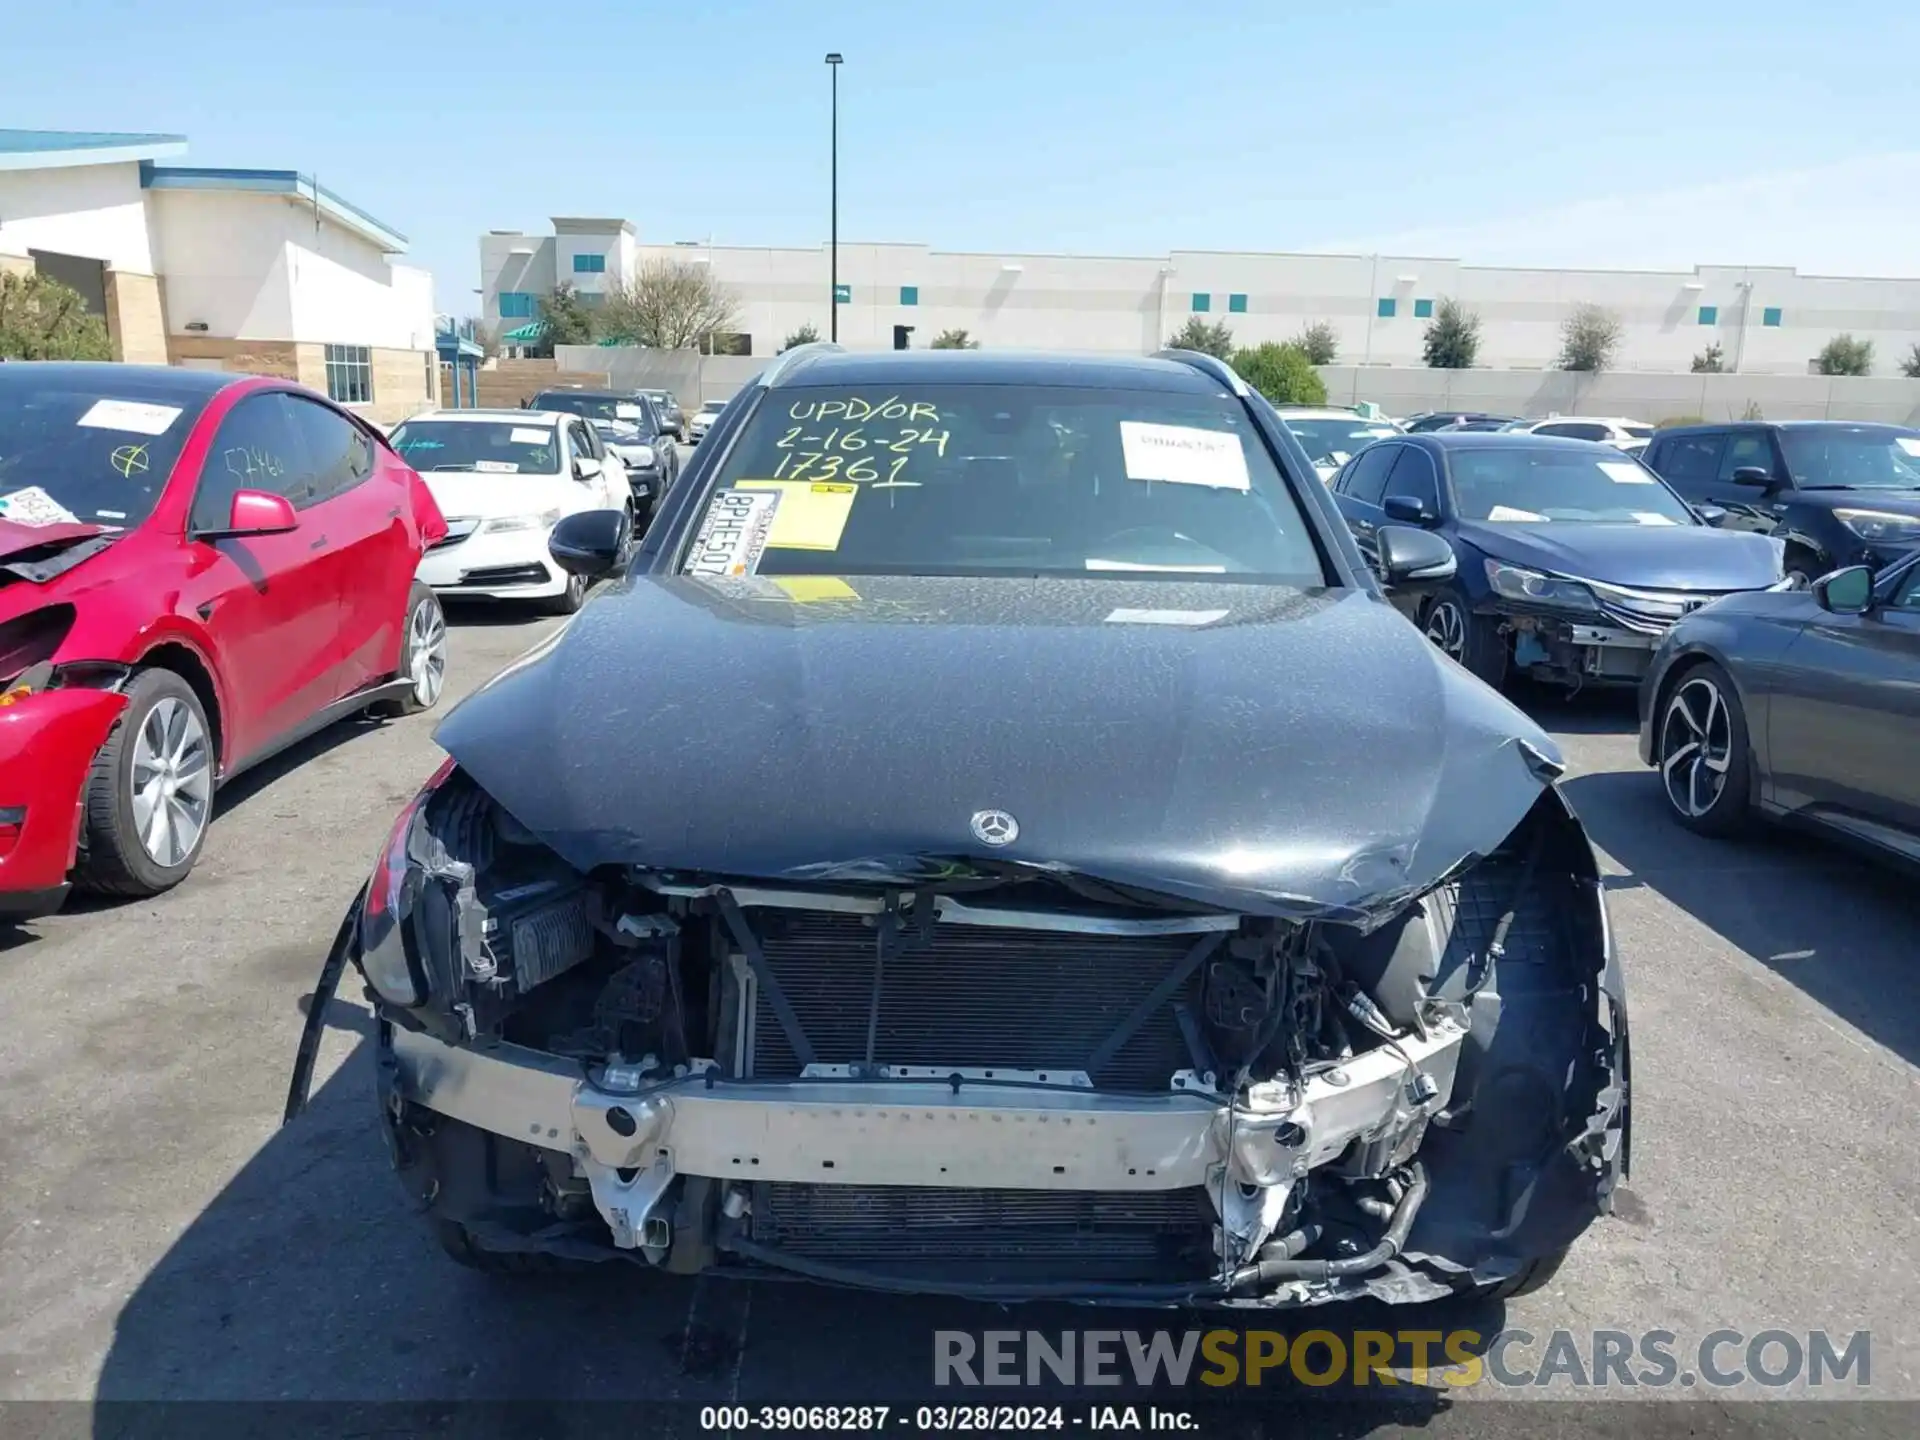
(998,1081)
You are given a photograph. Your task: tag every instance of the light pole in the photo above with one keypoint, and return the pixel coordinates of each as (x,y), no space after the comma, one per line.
(833,242)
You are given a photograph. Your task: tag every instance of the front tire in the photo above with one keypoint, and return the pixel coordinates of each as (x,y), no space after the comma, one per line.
(1703,752)
(569,600)
(1474,641)
(149,796)
(423,654)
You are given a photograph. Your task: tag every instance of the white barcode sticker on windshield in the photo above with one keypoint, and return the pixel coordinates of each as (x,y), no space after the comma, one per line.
(1625,472)
(34,506)
(1184,455)
(1908,443)
(733,533)
(133,416)
(521,436)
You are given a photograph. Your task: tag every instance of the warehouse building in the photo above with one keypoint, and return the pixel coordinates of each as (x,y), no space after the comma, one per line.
(263,271)
(1765,320)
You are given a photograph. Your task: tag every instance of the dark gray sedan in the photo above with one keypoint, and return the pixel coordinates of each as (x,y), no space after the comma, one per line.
(1797,705)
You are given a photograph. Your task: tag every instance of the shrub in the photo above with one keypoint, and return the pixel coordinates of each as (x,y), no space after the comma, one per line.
(954,340)
(1318,343)
(1672,420)
(1213,338)
(1589,337)
(1844,355)
(1709,361)
(1452,341)
(805,335)
(1282,373)
(41,319)
(1910,367)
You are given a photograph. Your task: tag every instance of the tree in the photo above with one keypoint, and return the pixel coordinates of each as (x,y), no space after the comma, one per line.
(1282,373)
(953,340)
(1709,361)
(1753,411)
(805,335)
(41,319)
(564,318)
(1452,341)
(669,305)
(1588,338)
(1910,367)
(1208,337)
(1318,343)
(1844,355)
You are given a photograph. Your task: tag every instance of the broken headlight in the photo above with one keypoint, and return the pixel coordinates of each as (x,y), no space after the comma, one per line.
(387,951)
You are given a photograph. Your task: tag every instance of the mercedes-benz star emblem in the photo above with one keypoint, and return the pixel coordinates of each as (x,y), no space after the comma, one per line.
(995,827)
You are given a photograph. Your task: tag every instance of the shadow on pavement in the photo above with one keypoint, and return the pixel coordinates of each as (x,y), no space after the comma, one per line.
(308,1278)
(1838,927)
(1581,712)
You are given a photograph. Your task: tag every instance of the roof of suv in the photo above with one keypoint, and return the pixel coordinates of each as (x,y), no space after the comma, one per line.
(1785,425)
(993,367)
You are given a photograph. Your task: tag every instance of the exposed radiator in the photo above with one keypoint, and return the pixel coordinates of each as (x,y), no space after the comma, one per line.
(893,1223)
(974,996)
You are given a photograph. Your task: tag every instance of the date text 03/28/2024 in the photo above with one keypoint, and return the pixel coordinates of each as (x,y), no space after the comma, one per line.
(940,1419)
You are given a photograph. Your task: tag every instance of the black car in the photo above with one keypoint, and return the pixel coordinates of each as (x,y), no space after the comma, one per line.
(1443,419)
(1838,492)
(668,408)
(1049,850)
(1800,706)
(1573,558)
(632,429)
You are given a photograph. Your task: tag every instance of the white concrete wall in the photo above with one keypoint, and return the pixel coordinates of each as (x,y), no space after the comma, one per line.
(1134,303)
(501,269)
(94,210)
(346,292)
(224,259)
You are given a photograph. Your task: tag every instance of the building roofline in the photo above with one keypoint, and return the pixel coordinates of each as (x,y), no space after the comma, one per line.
(54,149)
(290,183)
(590,225)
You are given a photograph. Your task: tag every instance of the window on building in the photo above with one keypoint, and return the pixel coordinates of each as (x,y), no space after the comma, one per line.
(1385,308)
(909,294)
(589,264)
(1771,316)
(1237,304)
(349,374)
(1709,314)
(1423,309)
(730,342)
(516,304)
(1202,303)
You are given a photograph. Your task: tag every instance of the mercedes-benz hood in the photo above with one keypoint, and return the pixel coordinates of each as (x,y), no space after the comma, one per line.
(1654,557)
(1258,748)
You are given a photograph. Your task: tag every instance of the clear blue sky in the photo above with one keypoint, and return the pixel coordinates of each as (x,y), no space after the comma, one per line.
(1496,132)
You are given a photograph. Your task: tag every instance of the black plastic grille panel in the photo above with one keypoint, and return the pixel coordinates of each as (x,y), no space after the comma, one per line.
(858,1222)
(975,996)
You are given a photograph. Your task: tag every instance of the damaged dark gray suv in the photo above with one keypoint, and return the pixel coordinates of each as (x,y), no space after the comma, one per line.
(1039,863)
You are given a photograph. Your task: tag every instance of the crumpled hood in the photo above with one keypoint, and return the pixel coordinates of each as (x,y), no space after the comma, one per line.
(1656,557)
(34,557)
(1260,748)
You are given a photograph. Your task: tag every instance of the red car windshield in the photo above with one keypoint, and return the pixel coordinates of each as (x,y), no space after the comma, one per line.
(92,453)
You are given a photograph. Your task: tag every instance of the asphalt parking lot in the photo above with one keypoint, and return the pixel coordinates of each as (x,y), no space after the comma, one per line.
(160,1236)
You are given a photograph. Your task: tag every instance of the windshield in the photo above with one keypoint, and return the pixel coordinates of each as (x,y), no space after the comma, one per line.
(1334,442)
(594,407)
(1638,432)
(1853,457)
(99,453)
(713,407)
(1522,485)
(487,446)
(1000,480)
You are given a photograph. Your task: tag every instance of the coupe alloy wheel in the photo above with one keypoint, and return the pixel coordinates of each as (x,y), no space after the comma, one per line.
(1447,628)
(172,782)
(1696,746)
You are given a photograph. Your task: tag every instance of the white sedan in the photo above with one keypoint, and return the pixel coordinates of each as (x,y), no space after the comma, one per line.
(1333,436)
(503,479)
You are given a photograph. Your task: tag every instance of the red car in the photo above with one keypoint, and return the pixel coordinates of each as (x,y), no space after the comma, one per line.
(196,570)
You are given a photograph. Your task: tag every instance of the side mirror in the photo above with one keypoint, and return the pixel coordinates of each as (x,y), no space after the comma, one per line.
(1712,514)
(585,467)
(1410,558)
(590,542)
(1408,509)
(1845,592)
(1755,475)
(255,512)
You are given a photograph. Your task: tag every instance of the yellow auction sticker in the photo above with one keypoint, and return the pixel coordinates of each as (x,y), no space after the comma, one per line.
(812,515)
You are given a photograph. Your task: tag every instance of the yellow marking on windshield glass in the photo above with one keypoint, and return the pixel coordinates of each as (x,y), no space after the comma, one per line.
(805,588)
(812,516)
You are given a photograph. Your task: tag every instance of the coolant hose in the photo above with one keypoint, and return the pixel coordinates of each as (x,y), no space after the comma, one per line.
(1269,1271)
